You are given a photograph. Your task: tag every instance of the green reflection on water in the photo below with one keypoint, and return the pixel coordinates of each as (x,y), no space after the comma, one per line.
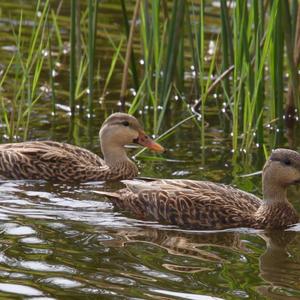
(66,242)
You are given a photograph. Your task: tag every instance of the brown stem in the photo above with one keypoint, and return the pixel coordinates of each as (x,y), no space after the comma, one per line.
(127,57)
(290,105)
(213,85)
(165,9)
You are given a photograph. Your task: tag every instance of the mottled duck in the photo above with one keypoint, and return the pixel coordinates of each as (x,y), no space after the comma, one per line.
(208,206)
(54,161)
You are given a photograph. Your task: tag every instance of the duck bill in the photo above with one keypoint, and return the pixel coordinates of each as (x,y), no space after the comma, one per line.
(146,141)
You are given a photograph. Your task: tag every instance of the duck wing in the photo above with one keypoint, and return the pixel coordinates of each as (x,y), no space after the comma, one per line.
(61,149)
(50,161)
(189,203)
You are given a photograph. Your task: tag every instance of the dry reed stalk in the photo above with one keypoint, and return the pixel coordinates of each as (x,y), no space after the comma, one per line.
(290,104)
(123,93)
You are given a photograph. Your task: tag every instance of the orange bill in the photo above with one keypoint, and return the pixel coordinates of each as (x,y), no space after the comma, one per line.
(146,141)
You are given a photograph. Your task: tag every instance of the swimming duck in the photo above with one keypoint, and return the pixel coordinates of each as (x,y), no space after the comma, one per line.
(63,162)
(208,206)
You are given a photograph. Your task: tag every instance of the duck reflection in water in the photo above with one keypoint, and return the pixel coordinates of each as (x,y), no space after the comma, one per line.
(223,254)
(278,268)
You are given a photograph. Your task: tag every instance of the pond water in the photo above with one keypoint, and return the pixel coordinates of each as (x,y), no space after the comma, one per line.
(63,241)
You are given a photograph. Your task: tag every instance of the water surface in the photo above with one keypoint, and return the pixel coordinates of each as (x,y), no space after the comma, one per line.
(63,241)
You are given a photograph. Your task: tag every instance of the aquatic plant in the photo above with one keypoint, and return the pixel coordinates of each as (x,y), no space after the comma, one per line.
(252,39)
(26,65)
(172,53)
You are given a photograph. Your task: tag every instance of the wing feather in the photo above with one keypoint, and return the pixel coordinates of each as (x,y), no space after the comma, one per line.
(189,203)
(51,161)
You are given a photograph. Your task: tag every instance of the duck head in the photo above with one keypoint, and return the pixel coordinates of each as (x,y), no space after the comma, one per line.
(121,129)
(282,169)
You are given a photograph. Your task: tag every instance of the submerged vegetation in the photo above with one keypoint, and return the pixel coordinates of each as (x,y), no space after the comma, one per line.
(173,60)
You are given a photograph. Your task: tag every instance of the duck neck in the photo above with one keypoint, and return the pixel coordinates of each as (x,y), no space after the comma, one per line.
(116,158)
(115,155)
(273,193)
(276,212)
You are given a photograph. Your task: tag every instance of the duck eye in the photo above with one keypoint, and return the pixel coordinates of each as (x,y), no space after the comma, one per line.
(125,123)
(287,162)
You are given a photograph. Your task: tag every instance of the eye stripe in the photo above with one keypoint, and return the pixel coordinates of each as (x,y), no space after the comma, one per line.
(274,159)
(285,161)
(125,123)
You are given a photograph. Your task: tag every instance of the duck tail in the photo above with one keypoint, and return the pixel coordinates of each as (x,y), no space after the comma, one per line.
(108,194)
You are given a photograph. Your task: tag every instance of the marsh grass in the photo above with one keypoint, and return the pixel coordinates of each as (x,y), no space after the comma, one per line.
(172,43)
(251,39)
(26,65)
(92,28)
(73,51)
(259,53)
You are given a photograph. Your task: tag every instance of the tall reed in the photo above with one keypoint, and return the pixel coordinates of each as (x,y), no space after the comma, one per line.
(92,29)
(72,85)
(251,39)
(258,39)
(29,62)
(170,39)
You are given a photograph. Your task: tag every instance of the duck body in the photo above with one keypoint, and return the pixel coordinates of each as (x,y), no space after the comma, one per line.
(200,205)
(206,205)
(54,161)
(187,203)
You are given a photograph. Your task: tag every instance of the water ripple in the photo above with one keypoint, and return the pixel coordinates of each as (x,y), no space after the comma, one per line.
(19,289)
(90,249)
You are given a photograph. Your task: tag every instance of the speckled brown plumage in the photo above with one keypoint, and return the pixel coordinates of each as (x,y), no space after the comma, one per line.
(206,205)
(50,160)
(63,162)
